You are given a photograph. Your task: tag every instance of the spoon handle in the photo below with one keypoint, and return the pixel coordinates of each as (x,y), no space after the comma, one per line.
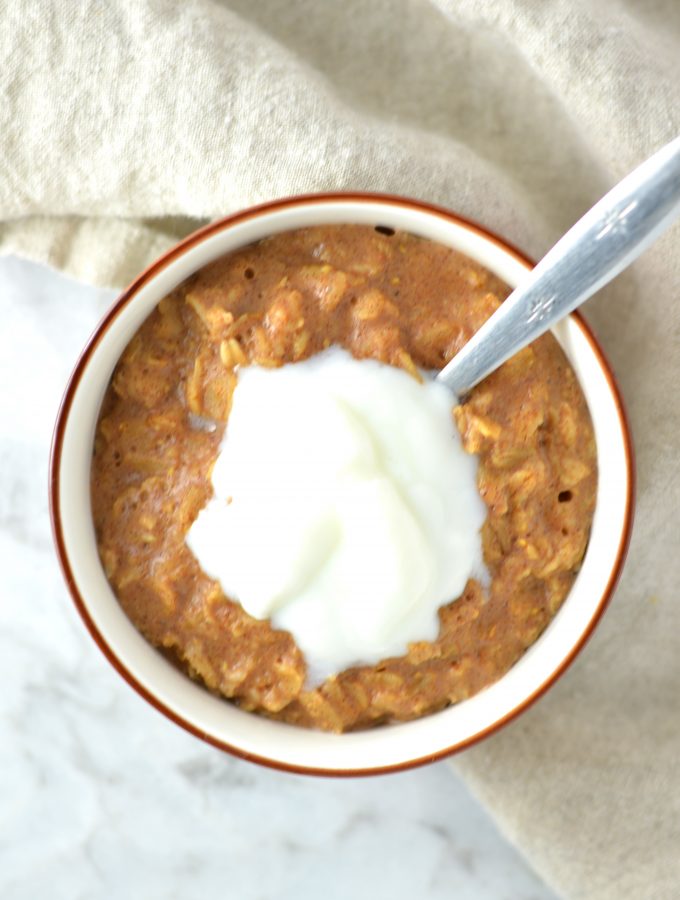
(599,246)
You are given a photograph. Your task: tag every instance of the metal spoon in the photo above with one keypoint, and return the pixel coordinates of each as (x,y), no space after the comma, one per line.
(599,246)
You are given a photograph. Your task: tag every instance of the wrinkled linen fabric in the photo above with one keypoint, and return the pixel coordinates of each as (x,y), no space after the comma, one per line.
(125,125)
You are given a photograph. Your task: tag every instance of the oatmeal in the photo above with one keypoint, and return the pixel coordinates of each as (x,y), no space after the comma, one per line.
(381,295)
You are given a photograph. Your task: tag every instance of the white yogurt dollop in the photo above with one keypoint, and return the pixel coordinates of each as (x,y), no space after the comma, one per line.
(344,508)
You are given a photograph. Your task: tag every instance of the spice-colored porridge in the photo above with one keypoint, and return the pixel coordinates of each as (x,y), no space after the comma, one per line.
(379,294)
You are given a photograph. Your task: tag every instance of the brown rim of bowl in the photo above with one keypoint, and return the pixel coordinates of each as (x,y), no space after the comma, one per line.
(90,347)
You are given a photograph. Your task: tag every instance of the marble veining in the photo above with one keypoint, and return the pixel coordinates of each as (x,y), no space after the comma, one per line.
(101,798)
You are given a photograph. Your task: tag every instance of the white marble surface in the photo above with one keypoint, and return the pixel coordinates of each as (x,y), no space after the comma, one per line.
(100,796)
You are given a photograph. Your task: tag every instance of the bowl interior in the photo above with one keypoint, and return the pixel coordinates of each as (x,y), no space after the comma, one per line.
(386,747)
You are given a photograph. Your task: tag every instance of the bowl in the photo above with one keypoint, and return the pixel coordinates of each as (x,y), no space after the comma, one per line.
(387,747)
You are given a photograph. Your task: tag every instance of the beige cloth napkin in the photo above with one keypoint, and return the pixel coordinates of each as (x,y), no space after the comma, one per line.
(125,124)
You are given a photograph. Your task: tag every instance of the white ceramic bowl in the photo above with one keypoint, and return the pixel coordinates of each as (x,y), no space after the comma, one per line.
(388,747)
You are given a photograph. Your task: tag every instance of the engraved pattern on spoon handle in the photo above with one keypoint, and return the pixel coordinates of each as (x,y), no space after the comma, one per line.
(599,246)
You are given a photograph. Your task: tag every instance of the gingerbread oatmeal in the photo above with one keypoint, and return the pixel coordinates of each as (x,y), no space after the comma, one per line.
(392,297)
